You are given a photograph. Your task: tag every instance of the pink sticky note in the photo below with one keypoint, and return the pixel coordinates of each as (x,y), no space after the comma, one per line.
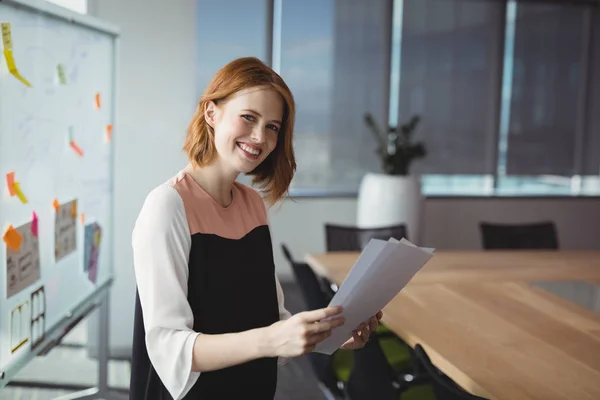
(34,225)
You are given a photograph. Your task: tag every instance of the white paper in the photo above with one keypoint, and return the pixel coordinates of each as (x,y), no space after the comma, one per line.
(379,274)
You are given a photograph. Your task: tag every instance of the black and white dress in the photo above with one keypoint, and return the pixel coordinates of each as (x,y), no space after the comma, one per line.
(201,268)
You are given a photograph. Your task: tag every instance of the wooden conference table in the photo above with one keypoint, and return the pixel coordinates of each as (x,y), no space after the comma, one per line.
(487,322)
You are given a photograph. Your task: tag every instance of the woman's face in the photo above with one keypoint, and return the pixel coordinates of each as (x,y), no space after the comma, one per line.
(246,127)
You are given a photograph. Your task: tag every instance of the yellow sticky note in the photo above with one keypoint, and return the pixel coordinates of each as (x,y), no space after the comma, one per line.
(61,74)
(56,205)
(10,61)
(74,210)
(8,54)
(6,36)
(13,239)
(19,192)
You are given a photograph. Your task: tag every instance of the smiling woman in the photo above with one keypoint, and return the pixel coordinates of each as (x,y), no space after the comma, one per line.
(251,106)
(210,317)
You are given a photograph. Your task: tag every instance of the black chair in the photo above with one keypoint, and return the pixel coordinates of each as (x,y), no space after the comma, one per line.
(372,377)
(349,238)
(443,387)
(316,297)
(540,235)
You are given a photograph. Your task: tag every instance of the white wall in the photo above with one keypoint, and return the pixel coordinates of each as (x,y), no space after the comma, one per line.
(156,98)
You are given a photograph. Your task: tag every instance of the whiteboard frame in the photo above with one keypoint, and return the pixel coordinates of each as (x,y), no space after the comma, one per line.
(99,296)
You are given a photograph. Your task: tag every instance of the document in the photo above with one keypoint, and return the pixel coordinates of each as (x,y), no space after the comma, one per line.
(379,274)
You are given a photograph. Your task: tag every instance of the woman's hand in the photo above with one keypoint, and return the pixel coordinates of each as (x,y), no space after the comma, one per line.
(301,333)
(361,334)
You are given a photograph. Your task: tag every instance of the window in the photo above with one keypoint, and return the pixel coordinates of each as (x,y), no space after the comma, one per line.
(306,64)
(335,58)
(228,29)
(509,92)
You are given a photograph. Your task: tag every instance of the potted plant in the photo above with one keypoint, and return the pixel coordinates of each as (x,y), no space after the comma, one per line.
(392,196)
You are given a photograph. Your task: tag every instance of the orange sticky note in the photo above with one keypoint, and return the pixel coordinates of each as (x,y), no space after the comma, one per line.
(82,218)
(19,192)
(10,181)
(108,135)
(74,210)
(56,205)
(77,149)
(13,239)
(98,100)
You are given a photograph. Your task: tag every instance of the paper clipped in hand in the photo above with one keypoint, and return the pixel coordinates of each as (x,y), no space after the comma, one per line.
(379,274)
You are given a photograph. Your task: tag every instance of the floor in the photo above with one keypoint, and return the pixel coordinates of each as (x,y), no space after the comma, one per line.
(69,365)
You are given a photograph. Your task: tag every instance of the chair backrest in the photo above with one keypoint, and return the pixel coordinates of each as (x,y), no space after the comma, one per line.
(308,281)
(315,298)
(349,238)
(539,235)
(372,376)
(444,388)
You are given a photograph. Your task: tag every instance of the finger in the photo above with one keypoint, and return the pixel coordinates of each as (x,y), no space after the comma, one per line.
(317,338)
(357,339)
(318,327)
(365,332)
(317,315)
(373,324)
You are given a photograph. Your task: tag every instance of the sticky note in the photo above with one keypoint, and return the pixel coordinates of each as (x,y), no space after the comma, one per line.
(6,36)
(77,149)
(61,74)
(74,210)
(56,205)
(34,225)
(82,218)
(98,100)
(19,192)
(13,239)
(10,181)
(8,53)
(108,135)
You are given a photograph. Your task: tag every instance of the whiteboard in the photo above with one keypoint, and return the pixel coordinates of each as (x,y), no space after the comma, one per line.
(57,116)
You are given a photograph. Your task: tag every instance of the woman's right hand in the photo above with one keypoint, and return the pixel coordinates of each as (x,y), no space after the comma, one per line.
(301,333)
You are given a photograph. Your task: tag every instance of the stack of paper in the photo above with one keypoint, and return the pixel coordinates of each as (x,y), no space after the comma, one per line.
(381,271)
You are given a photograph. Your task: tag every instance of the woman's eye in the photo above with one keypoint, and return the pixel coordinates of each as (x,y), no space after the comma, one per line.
(274,128)
(248,117)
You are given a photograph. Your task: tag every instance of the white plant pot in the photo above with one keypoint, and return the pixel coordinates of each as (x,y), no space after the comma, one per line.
(385,200)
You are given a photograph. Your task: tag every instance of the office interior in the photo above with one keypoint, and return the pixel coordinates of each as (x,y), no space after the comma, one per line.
(507,93)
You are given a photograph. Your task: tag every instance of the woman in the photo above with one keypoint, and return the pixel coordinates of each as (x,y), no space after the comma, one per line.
(214,322)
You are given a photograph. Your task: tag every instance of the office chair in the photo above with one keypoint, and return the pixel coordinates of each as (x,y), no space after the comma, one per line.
(373,378)
(331,371)
(350,238)
(539,235)
(443,387)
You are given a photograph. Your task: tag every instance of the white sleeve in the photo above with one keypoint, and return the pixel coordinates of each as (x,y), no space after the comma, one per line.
(283,313)
(161,245)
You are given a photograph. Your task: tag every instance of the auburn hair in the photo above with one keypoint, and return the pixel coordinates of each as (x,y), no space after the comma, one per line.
(274,175)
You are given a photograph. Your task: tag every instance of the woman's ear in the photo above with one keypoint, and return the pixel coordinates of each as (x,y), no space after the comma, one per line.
(210,111)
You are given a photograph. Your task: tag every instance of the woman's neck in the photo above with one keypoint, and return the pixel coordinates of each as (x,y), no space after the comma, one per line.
(214,182)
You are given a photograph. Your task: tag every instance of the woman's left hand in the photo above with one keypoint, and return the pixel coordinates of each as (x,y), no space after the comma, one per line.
(361,334)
